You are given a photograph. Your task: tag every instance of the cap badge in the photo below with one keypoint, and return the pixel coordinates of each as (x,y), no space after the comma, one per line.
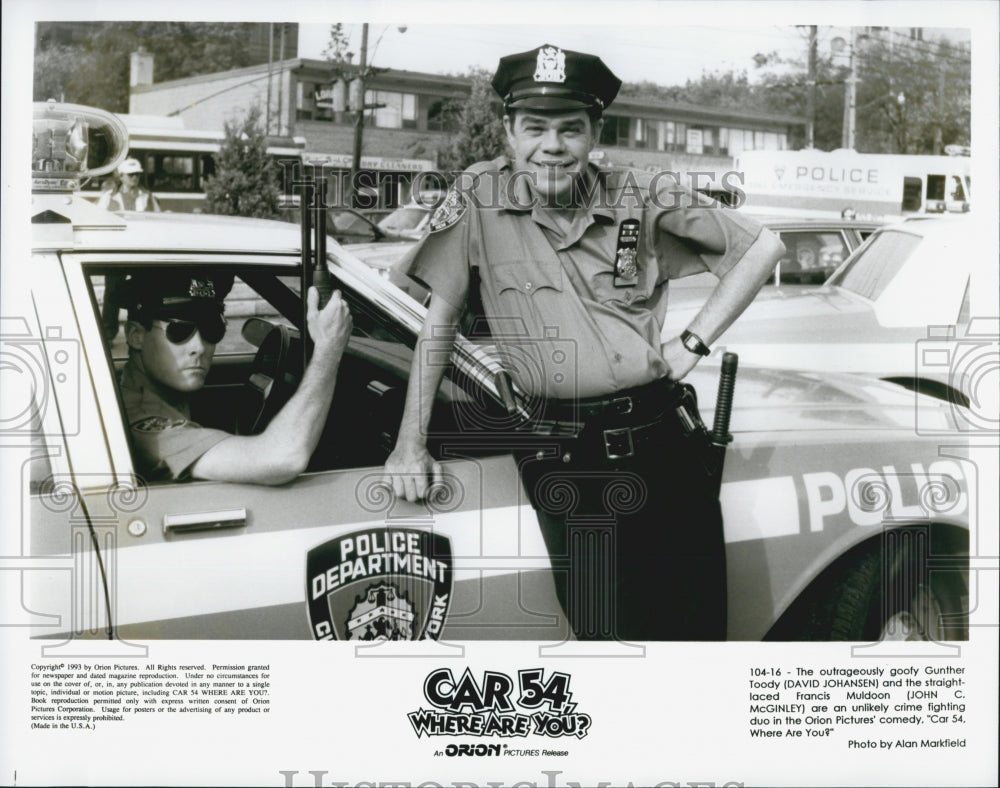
(551,65)
(202,288)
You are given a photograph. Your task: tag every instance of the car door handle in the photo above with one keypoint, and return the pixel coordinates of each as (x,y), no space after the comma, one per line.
(204,521)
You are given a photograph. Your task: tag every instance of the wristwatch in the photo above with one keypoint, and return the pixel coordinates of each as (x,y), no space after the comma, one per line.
(693,343)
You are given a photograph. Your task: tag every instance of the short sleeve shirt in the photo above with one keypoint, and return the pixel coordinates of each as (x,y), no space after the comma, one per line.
(563,324)
(164,439)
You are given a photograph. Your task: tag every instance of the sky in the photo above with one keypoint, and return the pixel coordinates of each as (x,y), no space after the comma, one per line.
(636,53)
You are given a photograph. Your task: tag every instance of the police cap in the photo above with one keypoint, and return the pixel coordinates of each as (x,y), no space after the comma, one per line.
(176,293)
(550,78)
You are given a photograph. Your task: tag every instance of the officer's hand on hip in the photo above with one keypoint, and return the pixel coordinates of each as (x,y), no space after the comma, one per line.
(412,471)
(678,358)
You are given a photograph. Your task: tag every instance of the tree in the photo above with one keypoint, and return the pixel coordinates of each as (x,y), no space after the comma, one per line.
(784,90)
(245,182)
(480,135)
(913,96)
(94,67)
(728,90)
(336,51)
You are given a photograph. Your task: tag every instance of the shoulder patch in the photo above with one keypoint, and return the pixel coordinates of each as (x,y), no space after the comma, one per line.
(157,424)
(449,212)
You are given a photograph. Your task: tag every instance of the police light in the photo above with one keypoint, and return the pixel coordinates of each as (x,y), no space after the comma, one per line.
(71,142)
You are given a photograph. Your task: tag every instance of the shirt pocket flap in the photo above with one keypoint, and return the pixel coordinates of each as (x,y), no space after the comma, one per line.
(528,276)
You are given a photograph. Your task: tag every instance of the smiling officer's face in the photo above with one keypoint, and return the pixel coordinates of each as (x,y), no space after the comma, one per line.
(552,147)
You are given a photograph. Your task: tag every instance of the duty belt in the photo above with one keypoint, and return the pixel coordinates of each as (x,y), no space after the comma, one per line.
(639,402)
(618,426)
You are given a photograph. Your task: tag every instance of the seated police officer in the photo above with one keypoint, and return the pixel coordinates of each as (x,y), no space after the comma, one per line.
(175,320)
(571,264)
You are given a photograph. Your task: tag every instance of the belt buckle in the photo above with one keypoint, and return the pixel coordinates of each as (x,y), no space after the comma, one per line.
(622,406)
(618,443)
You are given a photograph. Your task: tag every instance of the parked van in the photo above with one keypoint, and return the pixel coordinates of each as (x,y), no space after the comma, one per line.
(855,185)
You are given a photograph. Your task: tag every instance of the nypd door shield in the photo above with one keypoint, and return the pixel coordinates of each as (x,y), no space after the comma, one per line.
(379,584)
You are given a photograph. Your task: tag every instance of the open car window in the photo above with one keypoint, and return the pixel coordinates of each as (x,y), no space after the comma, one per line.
(254,371)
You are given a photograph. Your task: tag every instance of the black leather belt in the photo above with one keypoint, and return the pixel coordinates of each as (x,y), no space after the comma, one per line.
(623,442)
(637,402)
(615,427)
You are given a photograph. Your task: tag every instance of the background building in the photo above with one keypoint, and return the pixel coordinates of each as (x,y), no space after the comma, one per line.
(407,121)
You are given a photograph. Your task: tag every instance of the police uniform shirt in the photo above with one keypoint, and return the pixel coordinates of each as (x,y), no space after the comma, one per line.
(562,327)
(165,440)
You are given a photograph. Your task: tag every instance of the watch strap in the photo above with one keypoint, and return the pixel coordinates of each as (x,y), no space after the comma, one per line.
(693,343)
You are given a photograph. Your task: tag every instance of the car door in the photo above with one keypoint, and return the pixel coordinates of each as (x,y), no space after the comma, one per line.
(331,554)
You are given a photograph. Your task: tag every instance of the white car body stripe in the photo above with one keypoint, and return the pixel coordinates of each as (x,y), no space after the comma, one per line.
(759,509)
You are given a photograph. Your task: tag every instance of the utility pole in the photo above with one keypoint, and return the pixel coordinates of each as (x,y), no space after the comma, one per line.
(850,96)
(270,62)
(811,90)
(281,81)
(939,131)
(359,123)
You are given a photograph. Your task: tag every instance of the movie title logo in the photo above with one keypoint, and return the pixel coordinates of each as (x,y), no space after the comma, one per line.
(533,705)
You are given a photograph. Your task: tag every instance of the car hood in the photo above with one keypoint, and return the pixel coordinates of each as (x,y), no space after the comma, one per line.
(823,314)
(775,400)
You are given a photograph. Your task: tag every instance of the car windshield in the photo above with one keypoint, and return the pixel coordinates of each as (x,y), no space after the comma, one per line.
(403,219)
(875,265)
(346,221)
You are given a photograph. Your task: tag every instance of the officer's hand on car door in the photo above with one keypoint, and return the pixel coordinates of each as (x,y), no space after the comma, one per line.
(412,470)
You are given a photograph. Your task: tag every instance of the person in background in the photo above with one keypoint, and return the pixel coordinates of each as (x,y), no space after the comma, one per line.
(126,194)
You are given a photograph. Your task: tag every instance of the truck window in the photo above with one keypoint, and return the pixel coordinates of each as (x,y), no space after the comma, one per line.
(935,187)
(913,192)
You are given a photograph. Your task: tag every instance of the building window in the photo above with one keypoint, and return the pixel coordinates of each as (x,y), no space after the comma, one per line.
(680,138)
(739,141)
(708,140)
(615,131)
(723,140)
(443,114)
(305,100)
(391,110)
(641,136)
(695,141)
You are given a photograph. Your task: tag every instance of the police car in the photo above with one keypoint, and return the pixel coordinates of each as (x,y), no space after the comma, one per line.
(844,516)
(897,309)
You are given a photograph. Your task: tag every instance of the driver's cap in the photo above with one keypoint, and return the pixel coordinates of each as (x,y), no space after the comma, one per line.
(176,293)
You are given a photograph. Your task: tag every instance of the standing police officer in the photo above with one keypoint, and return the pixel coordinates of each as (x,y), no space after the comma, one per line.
(571,265)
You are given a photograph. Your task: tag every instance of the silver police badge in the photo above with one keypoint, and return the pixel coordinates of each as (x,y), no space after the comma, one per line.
(380,584)
(626,266)
(551,65)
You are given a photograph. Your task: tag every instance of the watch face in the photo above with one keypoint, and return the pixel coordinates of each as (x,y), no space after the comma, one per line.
(695,345)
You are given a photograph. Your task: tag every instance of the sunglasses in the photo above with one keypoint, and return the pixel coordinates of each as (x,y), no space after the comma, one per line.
(211,327)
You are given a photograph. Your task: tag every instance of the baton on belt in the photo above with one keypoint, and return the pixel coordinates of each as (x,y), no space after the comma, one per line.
(720,436)
(710,446)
